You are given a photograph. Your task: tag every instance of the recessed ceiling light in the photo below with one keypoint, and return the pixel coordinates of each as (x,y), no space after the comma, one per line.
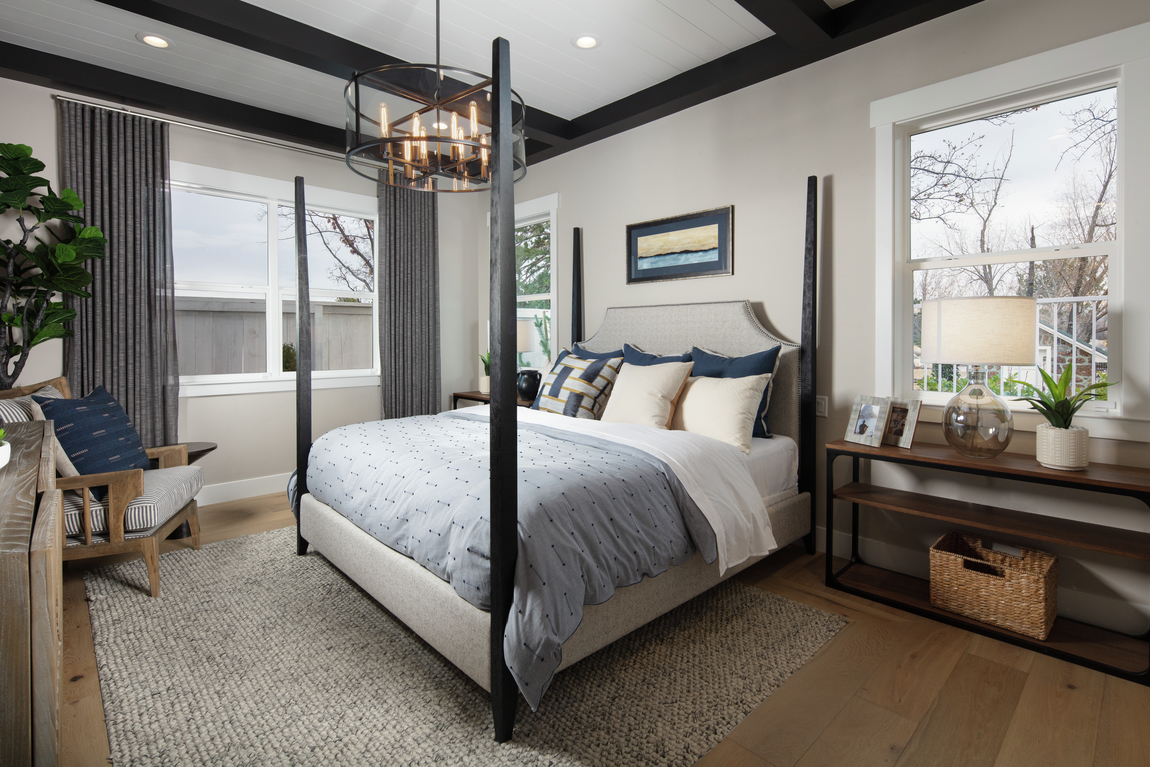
(439,126)
(153,40)
(586,42)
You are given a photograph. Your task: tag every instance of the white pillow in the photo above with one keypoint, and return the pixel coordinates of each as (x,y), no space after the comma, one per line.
(646,394)
(721,408)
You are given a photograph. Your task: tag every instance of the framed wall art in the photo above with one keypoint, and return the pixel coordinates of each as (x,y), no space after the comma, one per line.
(868,420)
(682,247)
(902,421)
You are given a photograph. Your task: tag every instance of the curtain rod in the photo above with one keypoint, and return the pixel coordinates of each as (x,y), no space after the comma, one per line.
(329,155)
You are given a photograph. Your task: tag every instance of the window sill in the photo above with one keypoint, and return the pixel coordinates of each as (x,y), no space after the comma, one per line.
(266,385)
(1101,425)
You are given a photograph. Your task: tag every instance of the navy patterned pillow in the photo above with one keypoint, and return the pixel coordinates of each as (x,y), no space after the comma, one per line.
(578,387)
(96,434)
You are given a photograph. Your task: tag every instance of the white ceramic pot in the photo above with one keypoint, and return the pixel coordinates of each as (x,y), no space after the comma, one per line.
(485,384)
(5,453)
(1065,449)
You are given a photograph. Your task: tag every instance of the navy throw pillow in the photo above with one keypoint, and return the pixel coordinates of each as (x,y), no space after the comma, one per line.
(587,354)
(539,394)
(708,365)
(96,434)
(633,356)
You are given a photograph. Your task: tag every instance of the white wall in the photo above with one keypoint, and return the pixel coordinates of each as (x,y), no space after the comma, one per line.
(754,149)
(256,432)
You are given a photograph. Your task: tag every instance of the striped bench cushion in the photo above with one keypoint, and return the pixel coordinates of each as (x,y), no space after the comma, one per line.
(166,491)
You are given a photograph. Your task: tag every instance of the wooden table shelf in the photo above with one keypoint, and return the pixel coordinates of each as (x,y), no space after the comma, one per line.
(1090,646)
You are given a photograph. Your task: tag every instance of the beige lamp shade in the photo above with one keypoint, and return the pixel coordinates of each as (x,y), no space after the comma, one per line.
(523,335)
(997,330)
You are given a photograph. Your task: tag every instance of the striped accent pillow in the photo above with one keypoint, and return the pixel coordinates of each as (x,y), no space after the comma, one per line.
(579,387)
(19,409)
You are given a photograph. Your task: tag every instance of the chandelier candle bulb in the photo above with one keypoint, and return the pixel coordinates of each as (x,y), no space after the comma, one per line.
(433,98)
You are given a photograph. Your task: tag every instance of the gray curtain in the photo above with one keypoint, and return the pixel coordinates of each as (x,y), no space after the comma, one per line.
(125,335)
(408,294)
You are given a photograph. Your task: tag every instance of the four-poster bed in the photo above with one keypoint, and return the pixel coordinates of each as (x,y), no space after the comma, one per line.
(471,637)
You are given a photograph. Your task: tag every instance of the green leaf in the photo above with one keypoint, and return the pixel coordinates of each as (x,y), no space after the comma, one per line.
(54,330)
(90,231)
(65,253)
(15,151)
(73,199)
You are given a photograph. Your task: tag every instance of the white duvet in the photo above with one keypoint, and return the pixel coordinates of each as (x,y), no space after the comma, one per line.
(714,473)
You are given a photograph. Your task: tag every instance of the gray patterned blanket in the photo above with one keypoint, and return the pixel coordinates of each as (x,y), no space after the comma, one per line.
(594,515)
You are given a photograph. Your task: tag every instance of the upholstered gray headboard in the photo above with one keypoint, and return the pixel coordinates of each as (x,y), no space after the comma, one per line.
(726,327)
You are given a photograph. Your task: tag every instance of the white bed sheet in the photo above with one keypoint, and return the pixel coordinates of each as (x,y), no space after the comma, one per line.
(774,467)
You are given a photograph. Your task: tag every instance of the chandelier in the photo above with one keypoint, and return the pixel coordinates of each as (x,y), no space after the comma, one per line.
(427,126)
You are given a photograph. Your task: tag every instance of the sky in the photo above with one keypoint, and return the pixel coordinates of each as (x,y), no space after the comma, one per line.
(223,240)
(1035,178)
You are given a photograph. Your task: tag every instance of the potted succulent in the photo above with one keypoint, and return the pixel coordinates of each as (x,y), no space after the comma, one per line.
(1060,444)
(485,379)
(5,448)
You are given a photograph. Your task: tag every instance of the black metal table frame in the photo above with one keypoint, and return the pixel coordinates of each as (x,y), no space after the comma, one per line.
(832,577)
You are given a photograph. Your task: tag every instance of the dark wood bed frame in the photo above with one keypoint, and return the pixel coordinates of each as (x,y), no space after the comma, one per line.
(504,493)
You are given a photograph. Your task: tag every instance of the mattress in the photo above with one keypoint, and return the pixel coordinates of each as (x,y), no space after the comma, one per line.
(774,467)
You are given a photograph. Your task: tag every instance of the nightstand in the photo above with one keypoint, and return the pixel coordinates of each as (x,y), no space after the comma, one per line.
(479,396)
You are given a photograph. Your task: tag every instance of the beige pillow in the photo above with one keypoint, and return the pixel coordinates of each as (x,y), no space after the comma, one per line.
(721,408)
(646,394)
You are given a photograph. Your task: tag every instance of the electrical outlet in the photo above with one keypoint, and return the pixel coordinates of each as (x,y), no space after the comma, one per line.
(821,406)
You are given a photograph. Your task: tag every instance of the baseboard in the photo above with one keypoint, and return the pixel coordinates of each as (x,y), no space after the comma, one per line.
(242,488)
(1096,609)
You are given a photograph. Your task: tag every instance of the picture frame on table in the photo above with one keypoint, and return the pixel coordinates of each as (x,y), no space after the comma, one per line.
(901,422)
(868,419)
(682,247)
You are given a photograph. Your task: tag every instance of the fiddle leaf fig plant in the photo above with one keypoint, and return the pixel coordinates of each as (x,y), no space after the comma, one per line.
(1054,404)
(45,263)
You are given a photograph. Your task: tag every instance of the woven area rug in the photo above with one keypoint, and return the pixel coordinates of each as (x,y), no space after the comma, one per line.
(255,656)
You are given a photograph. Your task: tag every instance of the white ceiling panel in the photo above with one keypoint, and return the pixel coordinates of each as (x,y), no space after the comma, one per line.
(642,42)
(105,36)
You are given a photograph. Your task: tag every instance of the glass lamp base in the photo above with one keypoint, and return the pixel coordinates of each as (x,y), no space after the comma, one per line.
(977,422)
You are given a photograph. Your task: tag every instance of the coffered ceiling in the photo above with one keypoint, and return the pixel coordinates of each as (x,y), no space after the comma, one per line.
(277,67)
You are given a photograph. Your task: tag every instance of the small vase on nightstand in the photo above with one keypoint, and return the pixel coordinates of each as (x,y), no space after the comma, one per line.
(485,384)
(5,453)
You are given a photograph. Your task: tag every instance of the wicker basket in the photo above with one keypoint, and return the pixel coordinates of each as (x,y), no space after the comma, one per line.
(1016,593)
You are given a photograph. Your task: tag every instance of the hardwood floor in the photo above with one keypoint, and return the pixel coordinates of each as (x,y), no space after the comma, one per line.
(891,689)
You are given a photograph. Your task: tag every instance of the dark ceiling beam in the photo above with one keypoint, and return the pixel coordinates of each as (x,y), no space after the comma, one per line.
(803,24)
(872,19)
(869,20)
(256,29)
(61,73)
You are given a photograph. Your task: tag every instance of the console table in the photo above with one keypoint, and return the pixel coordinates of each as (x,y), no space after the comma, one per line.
(1091,646)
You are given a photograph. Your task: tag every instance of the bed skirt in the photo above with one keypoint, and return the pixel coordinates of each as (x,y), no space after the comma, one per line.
(460,631)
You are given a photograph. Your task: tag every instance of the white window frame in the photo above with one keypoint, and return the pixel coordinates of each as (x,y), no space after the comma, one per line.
(1117,59)
(273,192)
(544,208)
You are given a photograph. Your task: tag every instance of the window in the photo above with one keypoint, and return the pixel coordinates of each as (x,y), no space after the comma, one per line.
(535,281)
(533,264)
(234,252)
(995,205)
(1021,176)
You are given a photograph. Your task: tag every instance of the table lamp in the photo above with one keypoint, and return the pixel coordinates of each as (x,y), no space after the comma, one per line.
(996,330)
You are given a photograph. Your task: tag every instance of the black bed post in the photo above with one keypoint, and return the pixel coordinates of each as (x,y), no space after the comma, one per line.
(577,287)
(807,360)
(303,360)
(504,512)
